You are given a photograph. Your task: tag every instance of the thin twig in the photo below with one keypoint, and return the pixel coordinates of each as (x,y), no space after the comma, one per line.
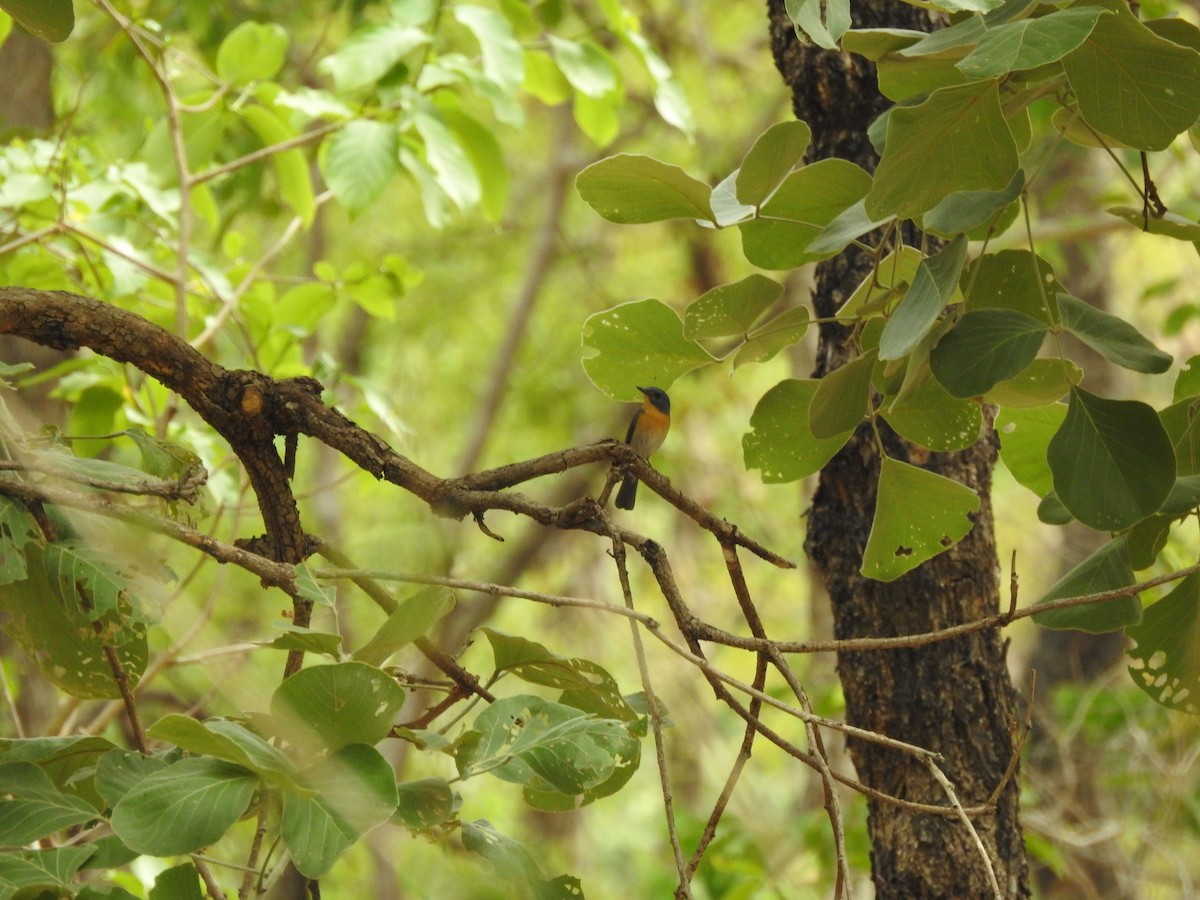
(948,788)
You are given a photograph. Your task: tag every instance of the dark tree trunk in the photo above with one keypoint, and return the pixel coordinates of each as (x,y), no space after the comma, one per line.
(954,697)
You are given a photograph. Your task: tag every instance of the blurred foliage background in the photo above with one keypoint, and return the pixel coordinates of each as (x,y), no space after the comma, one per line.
(459,343)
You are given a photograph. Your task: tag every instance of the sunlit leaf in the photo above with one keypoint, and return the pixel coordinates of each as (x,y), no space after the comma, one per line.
(253,51)
(324,708)
(367,55)
(641,342)
(768,339)
(636,189)
(730,309)
(358,162)
(774,154)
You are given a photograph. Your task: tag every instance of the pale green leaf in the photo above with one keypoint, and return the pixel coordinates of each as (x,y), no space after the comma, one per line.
(51,20)
(587,66)
(780,443)
(503,59)
(324,708)
(252,52)
(768,339)
(291,166)
(358,162)
(1165,660)
(775,153)
(730,309)
(412,619)
(1029,43)
(371,53)
(935,420)
(455,173)
(918,514)
(640,342)
(935,283)
(637,189)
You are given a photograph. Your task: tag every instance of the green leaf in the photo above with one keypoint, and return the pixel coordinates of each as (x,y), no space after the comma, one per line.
(848,225)
(119,771)
(74,603)
(825,23)
(455,173)
(890,276)
(775,153)
(637,189)
(1029,43)
(585,685)
(424,803)
(486,156)
(68,761)
(1112,461)
(1132,85)
(51,20)
(1169,224)
(966,210)
(184,807)
(933,419)
(1042,381)
(1024,438)
(181,882)
(226,740)
(587,66)
(324,708)
(354,790)
(503,59)
(371,53)
(413,618)
(956,140)
(1166,656)
(931,289)
(252,52)
(808,200)
(780,443)
(1105,570)
(730,309)
(641,342)
(1012,279)
(842,397)
(984,348)
(359,161)
(669,99)
(1112,337)
(43,874)
(511,858)
(291,166)
(308,641)
(17,528)
(546,746)
(918,514)
(1182,423)
(310,589)
(768,339)
(32,807)
(1187,382)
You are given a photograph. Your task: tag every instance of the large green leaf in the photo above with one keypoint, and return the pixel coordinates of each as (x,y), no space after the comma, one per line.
(455,173)
(74,603)
(1029,43)
(38,874)
(774,154)
(956,140)
(985,347)
(891,275)
(842,397)
(291,166)
(1112,461)
(769,338)
(180,882)
(346,795)
(183,807)
(1133,85)
(1166,657)
(423,803)
(963,211)
(1112,337)
(780,443)
(935,283)
(1107,569)
(933,419)
(324,708)
(1182,423)
(32,807)
(51,20)
(796,213)
(636,189)
(641,342)
(730,309)
(587,66)
(1012,279)
(918,514)
(503,58)
(1043,381)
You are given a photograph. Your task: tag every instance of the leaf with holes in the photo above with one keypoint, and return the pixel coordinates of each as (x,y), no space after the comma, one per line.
(780,443)
(1166,657)
(918,514)
(324,708)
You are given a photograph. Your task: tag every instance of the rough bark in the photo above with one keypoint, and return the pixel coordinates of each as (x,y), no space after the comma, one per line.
(954,697)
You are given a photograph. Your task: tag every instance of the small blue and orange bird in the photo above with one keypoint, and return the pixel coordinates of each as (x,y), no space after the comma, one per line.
(647,430)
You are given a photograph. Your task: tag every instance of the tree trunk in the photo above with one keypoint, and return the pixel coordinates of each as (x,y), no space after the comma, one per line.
(954,697)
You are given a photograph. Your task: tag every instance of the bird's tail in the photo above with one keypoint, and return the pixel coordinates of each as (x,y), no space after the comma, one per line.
(627,495)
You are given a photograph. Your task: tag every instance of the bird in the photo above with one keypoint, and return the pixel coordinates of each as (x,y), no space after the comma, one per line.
(647,429)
